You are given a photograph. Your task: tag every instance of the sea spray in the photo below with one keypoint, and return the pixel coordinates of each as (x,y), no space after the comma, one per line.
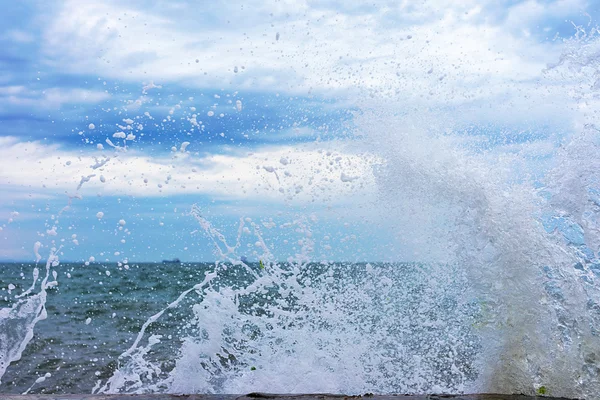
(515,315)
(17,323)
(304,326)
(501,294)
(533,288)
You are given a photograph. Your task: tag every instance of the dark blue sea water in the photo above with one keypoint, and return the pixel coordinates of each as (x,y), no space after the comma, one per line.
(117,300)
(345,319)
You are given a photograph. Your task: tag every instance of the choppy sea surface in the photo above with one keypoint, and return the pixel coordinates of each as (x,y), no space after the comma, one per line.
(93,316)
(96,312)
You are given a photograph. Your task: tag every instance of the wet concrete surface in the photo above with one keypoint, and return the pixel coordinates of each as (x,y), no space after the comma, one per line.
(267,396)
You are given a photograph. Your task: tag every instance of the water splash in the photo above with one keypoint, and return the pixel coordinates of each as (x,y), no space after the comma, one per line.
(504,296)
(300,326)
(18,322)
(535,288)
(504,299)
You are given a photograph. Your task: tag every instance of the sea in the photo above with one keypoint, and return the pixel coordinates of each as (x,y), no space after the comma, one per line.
(93,316)
(336,321)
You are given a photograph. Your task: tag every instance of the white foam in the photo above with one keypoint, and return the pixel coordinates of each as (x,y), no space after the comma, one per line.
(347,178)
(24,314)
(36,251)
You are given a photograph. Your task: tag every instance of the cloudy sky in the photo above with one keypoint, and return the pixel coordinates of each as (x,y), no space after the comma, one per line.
(117,116)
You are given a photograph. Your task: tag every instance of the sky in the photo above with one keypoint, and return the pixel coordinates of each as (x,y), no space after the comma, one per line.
(117,116)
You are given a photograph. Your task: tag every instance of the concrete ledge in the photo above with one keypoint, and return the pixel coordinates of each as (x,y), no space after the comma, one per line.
(267,396)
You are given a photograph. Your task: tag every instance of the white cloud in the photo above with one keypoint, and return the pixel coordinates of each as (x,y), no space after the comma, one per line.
(392,48)
(12,90)
(57,96)
(19,36)
(478,57)
(528,14)
(295,175)
(49,98)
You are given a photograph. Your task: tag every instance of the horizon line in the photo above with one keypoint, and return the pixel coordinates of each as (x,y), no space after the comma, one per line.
(129,262)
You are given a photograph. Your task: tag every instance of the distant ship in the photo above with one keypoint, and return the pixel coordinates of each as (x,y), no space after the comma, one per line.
(173,261)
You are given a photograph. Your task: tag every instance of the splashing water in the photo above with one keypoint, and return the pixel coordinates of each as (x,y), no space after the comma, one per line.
(501,302)
(502,295)
(536,289)
(325,327)
(17,323)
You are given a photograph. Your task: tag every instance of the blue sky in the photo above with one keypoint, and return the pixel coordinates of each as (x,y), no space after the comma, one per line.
(278,102)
